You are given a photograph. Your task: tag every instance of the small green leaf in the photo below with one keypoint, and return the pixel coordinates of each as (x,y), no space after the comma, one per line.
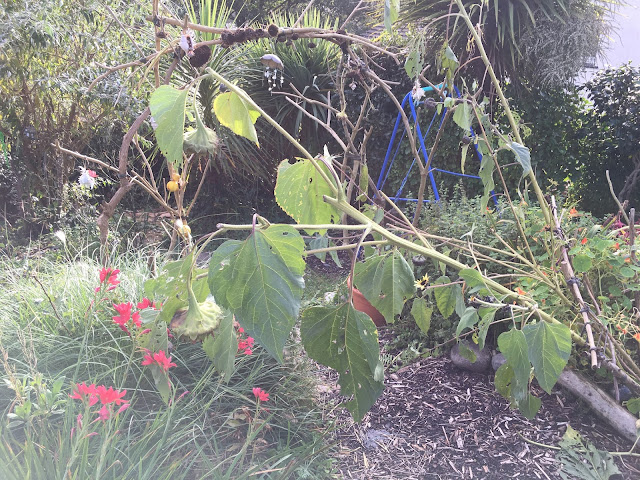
(421,313)
(486,317)
(487,166)
(463,116)
(222,347)
(446,297)
(167,107)
(387,281)
(411,64)
(347,341)
(549,351)
(633,405)
(472,277)
(466,352)
(260,281)
(237,115)
(319,242)
(582,263)
(523,156)
(627,272)
(529,406)
(299,192)
(467,320)
(463,156)
(503,378)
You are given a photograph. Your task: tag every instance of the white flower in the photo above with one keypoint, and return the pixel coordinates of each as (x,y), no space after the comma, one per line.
(186,43)
(417,92)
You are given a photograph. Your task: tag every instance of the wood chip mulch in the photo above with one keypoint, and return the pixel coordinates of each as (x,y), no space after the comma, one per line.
(435,421)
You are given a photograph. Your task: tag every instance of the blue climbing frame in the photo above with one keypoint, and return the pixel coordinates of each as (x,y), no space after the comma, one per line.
(389,161)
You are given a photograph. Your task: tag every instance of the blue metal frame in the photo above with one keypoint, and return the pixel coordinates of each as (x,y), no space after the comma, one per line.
(386,165)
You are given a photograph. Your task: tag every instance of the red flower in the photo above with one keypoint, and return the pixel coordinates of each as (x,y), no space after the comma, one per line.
(573,212)
(260,394)
(110,395)
(583,241)
(83,391)
(135,318)
(110,276)
(104,413)
(146,303)
(158,358)
(124,309)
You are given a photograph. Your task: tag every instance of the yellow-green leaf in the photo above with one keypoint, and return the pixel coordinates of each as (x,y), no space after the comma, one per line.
(237,115)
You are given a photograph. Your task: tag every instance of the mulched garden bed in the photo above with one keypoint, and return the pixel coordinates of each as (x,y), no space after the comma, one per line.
(436,421)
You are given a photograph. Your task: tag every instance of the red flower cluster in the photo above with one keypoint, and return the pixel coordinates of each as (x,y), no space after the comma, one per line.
(245,344)
(124,309)
(146,303)
(106,396)
(108,276)
(158,358)
(260,394)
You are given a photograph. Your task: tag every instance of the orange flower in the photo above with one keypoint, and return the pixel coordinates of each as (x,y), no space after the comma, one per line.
(627,260)
(637,336)
(583,241)
(616,246)
(573,212)
(520,291)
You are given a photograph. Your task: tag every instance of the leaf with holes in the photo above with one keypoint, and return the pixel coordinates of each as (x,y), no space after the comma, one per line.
(167,107)
(549,351)
(237,115)
(347,341)
(299,192)
(386,281)
(260,281)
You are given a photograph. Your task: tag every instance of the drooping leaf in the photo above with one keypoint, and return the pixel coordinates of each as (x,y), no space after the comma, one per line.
(386,281)
(299,192)
(260,281)
(412,63)
(487,167)
(202,139)
(463,156)
(237,115)
(523,156)
(391,10)
(471,276)
(446,297)
(463,116)
(580,459)
(467,320)
(487,315)
(549,350)
(318,242)
(346,340)
(222,347)
(529,406)
(513,346)
(421,313)
(167,106)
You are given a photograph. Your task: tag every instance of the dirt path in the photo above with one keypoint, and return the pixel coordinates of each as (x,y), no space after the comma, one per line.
(435,421)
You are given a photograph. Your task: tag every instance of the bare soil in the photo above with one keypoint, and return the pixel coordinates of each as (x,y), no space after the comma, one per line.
(435,421)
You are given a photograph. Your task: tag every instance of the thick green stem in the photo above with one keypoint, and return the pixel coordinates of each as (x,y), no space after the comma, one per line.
(505,105)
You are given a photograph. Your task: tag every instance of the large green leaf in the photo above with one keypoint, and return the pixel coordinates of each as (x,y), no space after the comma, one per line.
(222,347)
(513,346)
(386,281)
(446,297)
(299,192)
(421,313)
(580,459)
(237,115)
(260,281)
(346,340)
(549,351)
(167,107)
